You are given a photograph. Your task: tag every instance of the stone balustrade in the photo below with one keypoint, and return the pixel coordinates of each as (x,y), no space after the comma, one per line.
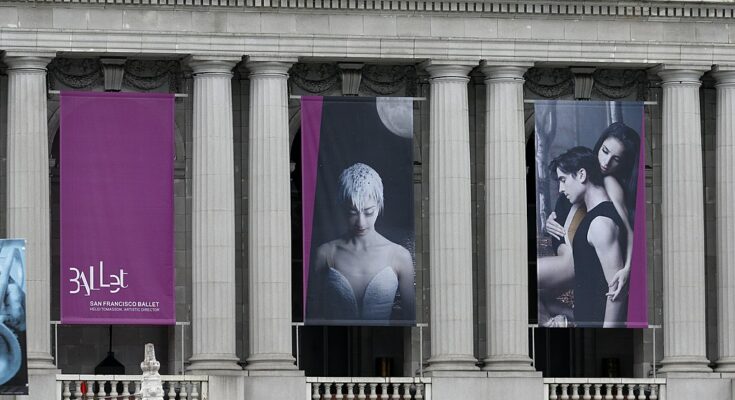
(127,387)
(329,388)
(604,388)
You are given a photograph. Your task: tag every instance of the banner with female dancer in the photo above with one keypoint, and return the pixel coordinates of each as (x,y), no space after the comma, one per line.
(357,179)
(590,214)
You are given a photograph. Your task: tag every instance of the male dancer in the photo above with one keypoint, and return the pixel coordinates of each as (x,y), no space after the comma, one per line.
(597,247)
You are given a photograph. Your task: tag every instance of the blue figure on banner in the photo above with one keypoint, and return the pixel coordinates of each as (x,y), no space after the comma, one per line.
(361,276)
(12,315)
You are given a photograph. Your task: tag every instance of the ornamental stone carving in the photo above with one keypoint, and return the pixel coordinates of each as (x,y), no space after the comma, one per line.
(151,386)
(75,73)
(550,83)
(145,75)
(384,80)
(617,84)
(315,78)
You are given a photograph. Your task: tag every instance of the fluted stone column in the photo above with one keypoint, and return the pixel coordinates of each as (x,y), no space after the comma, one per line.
(213,214)
(28,206)
(682,210)
(269,224)
(506,241)
(28,194)
(450,228)
(725,202)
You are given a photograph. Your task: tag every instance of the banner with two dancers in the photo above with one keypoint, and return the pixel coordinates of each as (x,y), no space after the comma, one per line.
(590,214)
(358,216)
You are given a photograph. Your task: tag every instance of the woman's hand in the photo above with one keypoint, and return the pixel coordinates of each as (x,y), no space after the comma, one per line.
(619,284)
(553,228)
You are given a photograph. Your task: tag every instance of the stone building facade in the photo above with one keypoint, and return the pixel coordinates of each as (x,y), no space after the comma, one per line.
(474,62)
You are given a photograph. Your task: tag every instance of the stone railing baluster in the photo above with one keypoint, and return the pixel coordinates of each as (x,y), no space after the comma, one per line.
(654,395)
(564,391)
(350,391)
(552,391)
(419,391)
(631,392)
(619,392)
(609,391)
(171,391)
(575,391)
(586,395)
(373,391)
(406,391)
(598,391)
(194,391)
(338,391)
(395,395)
(641,392)
(66,393)
(90,393)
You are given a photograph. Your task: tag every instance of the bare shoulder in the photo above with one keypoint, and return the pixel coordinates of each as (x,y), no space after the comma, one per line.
(603,231)
(401,256)
(612,186)
(323,253)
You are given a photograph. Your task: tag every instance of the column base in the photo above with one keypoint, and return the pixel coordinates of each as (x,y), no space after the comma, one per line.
(508,363)
(214,364)
(688,364)
(41,362)
(42,384)
(725,364)
(271,362)
(452,363)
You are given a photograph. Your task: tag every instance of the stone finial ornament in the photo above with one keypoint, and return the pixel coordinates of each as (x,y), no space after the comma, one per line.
(151,386)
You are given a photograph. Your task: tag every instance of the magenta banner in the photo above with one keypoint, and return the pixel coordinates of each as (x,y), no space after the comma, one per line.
(117,208)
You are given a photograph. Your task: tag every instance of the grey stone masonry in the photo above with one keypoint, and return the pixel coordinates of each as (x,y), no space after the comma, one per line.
(269,224)
(28,191)
(213,215)
(450,228)
(682,209)
(725,201)
(506,241)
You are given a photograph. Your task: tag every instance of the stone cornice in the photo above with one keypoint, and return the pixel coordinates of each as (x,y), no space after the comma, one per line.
(411,50)
(712,9)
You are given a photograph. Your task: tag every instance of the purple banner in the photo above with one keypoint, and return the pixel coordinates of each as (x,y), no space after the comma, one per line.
(117,208)
(590,214)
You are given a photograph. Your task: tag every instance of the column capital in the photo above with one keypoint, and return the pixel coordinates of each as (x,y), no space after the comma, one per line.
(27,60)
(448,71)
(501,72)
(724,74)
(268,68)
(680,74)
(212,65)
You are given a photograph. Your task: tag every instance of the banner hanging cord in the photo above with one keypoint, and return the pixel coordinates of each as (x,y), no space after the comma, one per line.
(645,103)
(58,92)
(294,97)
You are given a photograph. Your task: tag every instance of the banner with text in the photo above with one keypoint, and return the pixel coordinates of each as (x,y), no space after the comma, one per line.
(357,179)
(13,350)
(117,208)
(590,214)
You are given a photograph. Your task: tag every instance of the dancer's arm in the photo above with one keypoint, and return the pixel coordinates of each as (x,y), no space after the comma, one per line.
(603,236)
(619,283)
